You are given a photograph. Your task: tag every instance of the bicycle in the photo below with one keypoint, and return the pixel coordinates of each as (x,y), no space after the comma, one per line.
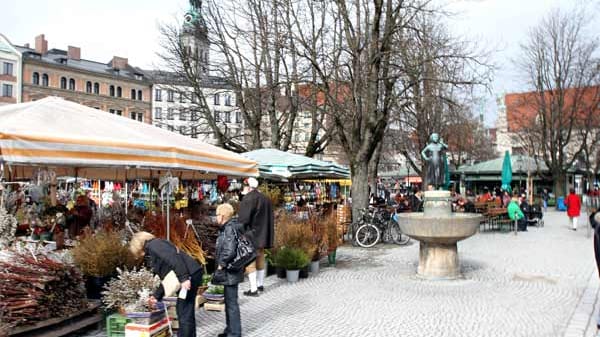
(374,225)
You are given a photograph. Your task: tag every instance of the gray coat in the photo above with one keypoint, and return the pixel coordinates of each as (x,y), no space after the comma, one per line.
(256,217)
(226,251)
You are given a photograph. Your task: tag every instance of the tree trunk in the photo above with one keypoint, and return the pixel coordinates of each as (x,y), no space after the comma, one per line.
(373,168)
(360,188)
(560,185)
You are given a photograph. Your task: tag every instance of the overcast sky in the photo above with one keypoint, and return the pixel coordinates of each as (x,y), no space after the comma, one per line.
(128,28)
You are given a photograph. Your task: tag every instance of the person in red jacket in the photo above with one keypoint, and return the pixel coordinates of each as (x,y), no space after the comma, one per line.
(573,208)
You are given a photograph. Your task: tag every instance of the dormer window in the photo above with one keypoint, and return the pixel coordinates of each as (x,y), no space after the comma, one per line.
(116,72)
(139,77)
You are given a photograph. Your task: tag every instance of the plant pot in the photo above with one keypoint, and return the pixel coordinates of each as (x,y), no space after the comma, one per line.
(292,275)
(314,267)
(331,258)
(94,286)
(271,269)
(304,272)
(280,272)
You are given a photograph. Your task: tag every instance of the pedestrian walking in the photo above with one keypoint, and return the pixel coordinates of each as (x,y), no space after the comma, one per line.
(226,251)
(545,197)
(257,219)
(163,257)
(573,204)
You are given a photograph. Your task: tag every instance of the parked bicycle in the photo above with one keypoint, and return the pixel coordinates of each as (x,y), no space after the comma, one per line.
(378,226)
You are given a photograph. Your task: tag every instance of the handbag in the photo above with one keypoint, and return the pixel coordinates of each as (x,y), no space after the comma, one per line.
(245,252)
(171,284)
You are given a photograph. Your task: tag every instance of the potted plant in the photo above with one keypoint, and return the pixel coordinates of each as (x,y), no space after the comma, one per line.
(130,290)
(292,259)
(98,256)
(332,239)
(300,236)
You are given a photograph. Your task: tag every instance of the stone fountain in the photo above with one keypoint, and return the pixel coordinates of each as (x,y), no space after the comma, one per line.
(438,230)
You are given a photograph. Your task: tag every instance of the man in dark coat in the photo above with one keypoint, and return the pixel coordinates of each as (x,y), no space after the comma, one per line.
(257,219)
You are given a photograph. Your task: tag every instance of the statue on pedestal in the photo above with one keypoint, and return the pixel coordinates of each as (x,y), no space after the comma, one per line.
(436,163)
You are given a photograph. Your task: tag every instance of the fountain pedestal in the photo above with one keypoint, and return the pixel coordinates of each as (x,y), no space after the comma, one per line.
(438,230)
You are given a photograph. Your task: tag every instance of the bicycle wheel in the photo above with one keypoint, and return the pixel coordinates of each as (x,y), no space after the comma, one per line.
(396,234)
(367,235)
(351,235)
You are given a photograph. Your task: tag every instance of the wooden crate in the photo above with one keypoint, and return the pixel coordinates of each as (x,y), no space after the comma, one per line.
(212,306)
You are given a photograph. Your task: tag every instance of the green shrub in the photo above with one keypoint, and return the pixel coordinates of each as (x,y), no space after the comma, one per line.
(291,258)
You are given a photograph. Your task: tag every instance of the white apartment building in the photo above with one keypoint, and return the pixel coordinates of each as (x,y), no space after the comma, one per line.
(10,72)
(175,108)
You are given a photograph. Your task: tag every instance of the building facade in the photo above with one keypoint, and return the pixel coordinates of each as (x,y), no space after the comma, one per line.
(115,87)
(10,72)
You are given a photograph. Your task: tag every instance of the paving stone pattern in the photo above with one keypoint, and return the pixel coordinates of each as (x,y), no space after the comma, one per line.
(531,284)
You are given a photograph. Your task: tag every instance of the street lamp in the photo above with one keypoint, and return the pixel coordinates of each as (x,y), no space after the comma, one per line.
(520,172)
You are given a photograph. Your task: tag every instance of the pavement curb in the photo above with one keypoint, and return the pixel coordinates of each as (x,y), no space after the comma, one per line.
(583,321)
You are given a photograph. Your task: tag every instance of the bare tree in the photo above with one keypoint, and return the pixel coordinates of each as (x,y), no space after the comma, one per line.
(440,72)
(557,119)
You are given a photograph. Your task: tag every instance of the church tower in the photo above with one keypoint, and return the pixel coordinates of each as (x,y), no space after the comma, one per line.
(195,37)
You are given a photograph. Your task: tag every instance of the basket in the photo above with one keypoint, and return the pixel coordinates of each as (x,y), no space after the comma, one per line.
(115,325)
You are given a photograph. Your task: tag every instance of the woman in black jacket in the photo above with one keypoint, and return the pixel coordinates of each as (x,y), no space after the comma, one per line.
(163,257)
(226,251)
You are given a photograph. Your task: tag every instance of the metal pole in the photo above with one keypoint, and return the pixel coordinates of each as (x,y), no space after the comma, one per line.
(168,212)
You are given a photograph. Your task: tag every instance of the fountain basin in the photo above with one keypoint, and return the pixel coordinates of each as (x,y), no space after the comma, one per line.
(438,231)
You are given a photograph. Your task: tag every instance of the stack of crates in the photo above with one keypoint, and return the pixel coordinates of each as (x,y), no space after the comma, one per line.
(115,325)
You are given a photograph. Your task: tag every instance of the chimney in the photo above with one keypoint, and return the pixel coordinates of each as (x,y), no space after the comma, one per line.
(118,63)
(41,45)
(26,45)
(74,53)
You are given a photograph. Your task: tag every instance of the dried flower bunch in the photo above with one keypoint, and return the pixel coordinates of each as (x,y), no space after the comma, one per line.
(272,192)
(130,290)
(102,253)
(8,228)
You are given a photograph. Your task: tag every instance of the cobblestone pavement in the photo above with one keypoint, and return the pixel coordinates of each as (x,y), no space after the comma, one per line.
(532,284)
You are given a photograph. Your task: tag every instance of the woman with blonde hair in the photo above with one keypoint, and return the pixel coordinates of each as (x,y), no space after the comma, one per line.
(226,251)
(163,257)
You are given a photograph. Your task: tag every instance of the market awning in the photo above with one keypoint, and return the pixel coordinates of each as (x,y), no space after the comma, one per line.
(82,141)
(274,162)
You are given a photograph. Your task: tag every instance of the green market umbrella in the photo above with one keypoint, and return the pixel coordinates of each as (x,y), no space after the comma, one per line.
(506,172)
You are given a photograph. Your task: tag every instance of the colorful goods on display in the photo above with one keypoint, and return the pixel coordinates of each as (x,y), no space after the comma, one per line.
(35,288)
(315,193)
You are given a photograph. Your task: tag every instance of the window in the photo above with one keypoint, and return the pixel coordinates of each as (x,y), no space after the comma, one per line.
(217,116)
(88,87)
(183,116)
(7,68)
(226,116)
(194,97)
(35,78)
(306,114)
(170,95)
(157,95)
(96,88)
(119,92)
(171,128)
(228,100)
(139,95)
(170,114)
(45,81)
(115,112)
(216,100)
(71,84)
(7,90)
(139,77)
(238,117)
(63,83)
(181,97)
(137,116)
(132,93)
(306,136)
(157,113)
(111,91)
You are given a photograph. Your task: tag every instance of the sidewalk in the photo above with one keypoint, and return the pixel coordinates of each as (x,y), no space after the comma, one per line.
(538,283)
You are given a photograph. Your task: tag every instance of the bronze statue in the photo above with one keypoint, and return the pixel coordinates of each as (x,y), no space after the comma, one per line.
(436,165)
(196,5)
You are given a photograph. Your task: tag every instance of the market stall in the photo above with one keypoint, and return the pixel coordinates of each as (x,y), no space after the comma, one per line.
(57,158)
